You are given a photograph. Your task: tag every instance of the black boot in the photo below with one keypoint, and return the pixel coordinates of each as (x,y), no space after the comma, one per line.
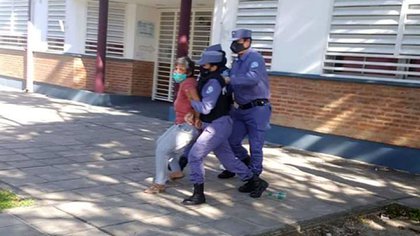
(227,174)
(249,186)
(255,186)
(260,186)
(197,197)
(183,161)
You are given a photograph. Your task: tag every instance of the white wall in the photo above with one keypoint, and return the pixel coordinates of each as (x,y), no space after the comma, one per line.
(75,26)
(300,38)
(145,46)
(130,30)
(301,35)
(136,46)
(224,21)
(40,17)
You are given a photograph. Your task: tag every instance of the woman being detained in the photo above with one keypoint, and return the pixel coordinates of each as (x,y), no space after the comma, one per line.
(173,142)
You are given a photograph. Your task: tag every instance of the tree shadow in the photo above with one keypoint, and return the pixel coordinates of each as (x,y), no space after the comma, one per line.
(87,168)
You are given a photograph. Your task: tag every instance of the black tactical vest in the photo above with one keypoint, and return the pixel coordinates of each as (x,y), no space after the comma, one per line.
(224,101)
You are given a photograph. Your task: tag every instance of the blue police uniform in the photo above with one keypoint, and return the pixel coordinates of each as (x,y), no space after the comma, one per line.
(251,115)
(214,111)
(217,127)
(224,71)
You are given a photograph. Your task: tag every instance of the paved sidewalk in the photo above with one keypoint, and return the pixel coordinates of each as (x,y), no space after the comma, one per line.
(88,166)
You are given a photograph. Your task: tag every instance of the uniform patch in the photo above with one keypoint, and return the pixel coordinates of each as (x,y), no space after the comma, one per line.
(254,65)
(209,90)
(224,90)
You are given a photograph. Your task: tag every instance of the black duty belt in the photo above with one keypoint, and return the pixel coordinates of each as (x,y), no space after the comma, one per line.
(256,102)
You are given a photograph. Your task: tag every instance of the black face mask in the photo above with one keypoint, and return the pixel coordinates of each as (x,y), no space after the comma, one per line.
(204,72)
(237,47)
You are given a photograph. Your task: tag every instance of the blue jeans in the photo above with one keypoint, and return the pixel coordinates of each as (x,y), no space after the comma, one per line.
(169,146)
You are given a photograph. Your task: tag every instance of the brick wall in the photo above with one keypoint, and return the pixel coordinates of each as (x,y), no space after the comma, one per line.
(88,66)
(380,113)
(79,72)
(12,63)
(142,83)
(123,76)
(118,76)
(127,77)
(59,70)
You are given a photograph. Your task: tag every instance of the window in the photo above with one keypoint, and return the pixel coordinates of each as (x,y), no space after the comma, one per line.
(200,29)
(374,39)
(260,17)
(162,86)
(115,34)
(13,23)
(56,17)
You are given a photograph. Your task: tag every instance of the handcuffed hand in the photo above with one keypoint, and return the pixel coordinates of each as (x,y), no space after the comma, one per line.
(189,118)
(227,79)
(197,123)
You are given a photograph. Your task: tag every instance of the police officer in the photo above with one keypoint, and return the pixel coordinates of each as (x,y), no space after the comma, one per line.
(251,115)
(214,106)
(218,48)
(224,71)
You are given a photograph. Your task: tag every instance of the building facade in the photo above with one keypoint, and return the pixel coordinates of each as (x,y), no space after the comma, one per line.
(344,74)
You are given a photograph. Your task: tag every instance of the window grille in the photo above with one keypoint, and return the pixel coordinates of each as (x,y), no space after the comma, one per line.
(13,23)
(374,39)
(260,17)
(200,29)
(116,26)
(56,22)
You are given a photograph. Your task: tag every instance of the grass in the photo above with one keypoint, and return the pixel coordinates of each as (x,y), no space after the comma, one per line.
(9,200)
(395,210)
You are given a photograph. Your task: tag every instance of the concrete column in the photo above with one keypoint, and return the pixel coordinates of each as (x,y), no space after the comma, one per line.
(40,23)
(29,59)
(130,30)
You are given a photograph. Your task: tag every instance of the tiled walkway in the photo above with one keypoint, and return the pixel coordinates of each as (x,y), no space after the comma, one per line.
(88,166)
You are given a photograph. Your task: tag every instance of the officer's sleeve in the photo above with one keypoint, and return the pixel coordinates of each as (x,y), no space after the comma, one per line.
(209,94)
(252,75)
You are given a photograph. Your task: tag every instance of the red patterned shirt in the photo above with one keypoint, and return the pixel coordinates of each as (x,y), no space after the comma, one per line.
(182,104)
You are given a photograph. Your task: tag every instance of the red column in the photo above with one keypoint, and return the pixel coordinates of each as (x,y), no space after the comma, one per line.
(184,33)
(101,46)
(184,28)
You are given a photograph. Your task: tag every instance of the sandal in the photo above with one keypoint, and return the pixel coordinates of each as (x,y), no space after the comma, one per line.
(176,175)
(155,188)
